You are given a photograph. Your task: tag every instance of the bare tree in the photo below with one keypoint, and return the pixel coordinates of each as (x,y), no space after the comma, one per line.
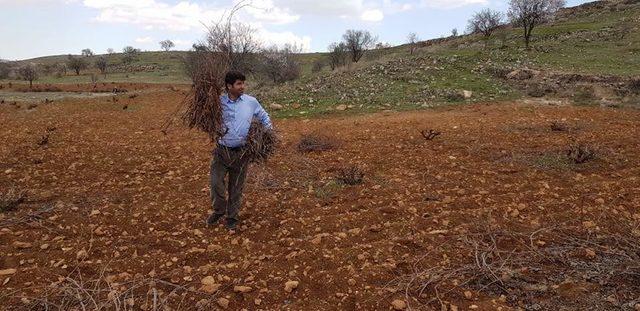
(87,52)
(358,42)
(454,32)
(101,64)
(530,13)
(280,64)
(167,45)
(129,54)
(485,22)
(76,64)
(338,55)
(227,45)
(28,73)
(236,40)
(110,51)
(412,40)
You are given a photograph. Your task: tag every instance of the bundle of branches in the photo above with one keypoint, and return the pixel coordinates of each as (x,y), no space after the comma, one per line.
(207,66)
(261,143)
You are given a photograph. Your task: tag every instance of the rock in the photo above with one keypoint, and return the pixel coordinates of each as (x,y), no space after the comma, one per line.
(399,304)
(208,280)
(223,302)
(82,255)
(276,106)
(522,74)
(257,301)
(590,253)
(290,286)
(8,271)
(342,107)
(210,289)
(468,294)
(209,285)
(242,289)
(467,94)
(44,246)
(18,244)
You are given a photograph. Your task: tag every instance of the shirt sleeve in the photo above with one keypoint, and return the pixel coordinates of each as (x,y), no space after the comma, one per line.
(262,115)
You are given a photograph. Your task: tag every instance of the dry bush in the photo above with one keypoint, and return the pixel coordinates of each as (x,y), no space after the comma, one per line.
(430,134)
(261,143)
(10,199)
(117,292)
(315,142)
(580,153)
(520,264)
(280,64)
(351,175)
(634,86)
(559,126)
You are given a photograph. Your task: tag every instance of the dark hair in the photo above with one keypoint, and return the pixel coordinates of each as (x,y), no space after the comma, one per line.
(232,76)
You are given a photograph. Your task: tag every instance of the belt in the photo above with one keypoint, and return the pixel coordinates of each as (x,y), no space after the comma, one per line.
(230,148)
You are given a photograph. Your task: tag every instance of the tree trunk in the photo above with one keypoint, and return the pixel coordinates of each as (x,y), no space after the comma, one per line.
(30,84)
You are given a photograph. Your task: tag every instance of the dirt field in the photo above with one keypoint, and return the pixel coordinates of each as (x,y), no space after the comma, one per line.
(489,215)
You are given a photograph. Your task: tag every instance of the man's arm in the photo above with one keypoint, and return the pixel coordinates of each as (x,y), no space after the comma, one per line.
(262,115)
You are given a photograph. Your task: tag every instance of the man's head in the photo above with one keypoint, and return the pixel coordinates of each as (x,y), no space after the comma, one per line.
(234,83)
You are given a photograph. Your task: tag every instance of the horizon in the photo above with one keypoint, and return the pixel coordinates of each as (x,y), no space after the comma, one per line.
(102,24)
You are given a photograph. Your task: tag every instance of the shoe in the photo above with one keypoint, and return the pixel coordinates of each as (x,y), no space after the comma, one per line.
(213,219)
(232,224)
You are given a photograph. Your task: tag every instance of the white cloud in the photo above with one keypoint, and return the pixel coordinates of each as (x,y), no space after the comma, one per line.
(374,15)
(282,38)
(144,40)
(267,11)
(451,4)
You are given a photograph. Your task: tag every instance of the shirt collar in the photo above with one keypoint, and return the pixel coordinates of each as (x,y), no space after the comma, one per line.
(228,99)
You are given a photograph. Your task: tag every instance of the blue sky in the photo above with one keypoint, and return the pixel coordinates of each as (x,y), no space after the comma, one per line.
(32,28)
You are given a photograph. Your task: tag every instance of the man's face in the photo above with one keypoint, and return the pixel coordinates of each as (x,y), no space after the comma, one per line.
(237,88)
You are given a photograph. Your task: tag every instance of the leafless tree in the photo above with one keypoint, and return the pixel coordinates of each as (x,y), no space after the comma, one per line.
(28,73)
(110,51)
(280,64)
(129,54)
(236,40)
(412,40)
(485,22)
(358,42)
(87,52)
(76,64)
(530,13)
(338,55)
(167,45)
(101,64)
(454,32)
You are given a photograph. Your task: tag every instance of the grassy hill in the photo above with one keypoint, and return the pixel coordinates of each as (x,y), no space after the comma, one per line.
(599,38)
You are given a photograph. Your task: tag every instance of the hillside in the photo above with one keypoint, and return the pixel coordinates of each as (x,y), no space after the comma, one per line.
(592,42)
(598,41)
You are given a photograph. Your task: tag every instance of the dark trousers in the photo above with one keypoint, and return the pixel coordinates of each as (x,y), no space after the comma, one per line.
(228,161)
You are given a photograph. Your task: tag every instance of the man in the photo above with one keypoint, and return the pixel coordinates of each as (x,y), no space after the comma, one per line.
(238,110)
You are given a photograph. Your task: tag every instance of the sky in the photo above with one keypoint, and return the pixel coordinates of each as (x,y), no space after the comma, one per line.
(33,28)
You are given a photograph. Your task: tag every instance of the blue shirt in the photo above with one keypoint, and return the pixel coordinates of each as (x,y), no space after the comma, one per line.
(237,116)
